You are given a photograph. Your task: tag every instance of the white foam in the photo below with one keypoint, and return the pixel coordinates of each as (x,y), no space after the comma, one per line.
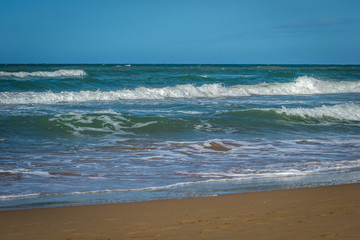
(58,73)
(165,111)
(9,197)
(140,125)
(248,174)
(204,76)
(304,86)
(218,177)
(109,122)
(25,171)
(272,171)
(301,86)
(342,111)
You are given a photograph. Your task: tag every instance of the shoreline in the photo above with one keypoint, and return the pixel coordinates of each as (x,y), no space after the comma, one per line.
(330,212)
(198,189)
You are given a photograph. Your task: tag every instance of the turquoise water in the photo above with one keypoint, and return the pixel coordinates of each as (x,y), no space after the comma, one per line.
(88,134)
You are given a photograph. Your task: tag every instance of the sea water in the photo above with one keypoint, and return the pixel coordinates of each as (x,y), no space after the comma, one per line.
(88,134)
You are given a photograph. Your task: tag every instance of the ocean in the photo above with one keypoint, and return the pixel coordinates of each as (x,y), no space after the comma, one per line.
(96,134)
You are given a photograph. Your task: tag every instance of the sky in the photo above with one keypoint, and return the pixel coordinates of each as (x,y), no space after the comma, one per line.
(180,31)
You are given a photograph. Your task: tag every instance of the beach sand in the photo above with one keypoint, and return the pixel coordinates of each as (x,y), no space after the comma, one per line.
(313,213)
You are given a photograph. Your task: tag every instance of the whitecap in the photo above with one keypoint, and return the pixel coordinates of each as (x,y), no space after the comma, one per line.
(25,171)
(349,112)
(58,73)
(301,86)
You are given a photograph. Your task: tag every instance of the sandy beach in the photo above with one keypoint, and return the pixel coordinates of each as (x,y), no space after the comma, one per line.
(313,213)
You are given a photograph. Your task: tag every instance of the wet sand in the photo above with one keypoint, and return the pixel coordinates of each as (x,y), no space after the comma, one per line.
(312,213)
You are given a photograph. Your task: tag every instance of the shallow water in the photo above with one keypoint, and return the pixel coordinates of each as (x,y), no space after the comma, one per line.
(82,134)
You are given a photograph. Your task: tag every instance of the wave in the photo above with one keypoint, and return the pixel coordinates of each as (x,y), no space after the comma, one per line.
(58,73)
(24,171)
(342,112)
(349,112)
(301,86)
(109,122)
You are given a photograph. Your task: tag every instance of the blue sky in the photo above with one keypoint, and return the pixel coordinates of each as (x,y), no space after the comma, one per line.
(184,31)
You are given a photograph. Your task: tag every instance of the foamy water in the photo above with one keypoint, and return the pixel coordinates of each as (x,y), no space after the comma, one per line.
(73,135)
(342,112)
(301,86)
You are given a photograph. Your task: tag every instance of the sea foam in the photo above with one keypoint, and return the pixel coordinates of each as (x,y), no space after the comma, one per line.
(100,122)
(301,86)
(349,112)
(58,73)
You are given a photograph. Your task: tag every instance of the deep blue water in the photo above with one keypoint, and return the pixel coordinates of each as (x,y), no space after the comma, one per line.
(87,134)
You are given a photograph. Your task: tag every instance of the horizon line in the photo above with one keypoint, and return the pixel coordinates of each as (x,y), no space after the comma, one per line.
(130,64)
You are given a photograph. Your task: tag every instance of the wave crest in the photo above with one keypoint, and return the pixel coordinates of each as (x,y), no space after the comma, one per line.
(348,112)
(58,73)
(301,86)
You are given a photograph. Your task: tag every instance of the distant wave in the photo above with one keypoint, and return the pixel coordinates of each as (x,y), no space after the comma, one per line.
(58,73)
(301,86)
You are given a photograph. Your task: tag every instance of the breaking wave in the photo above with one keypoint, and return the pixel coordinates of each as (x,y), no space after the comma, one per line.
(301,86)
(349,112)
(58,73)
